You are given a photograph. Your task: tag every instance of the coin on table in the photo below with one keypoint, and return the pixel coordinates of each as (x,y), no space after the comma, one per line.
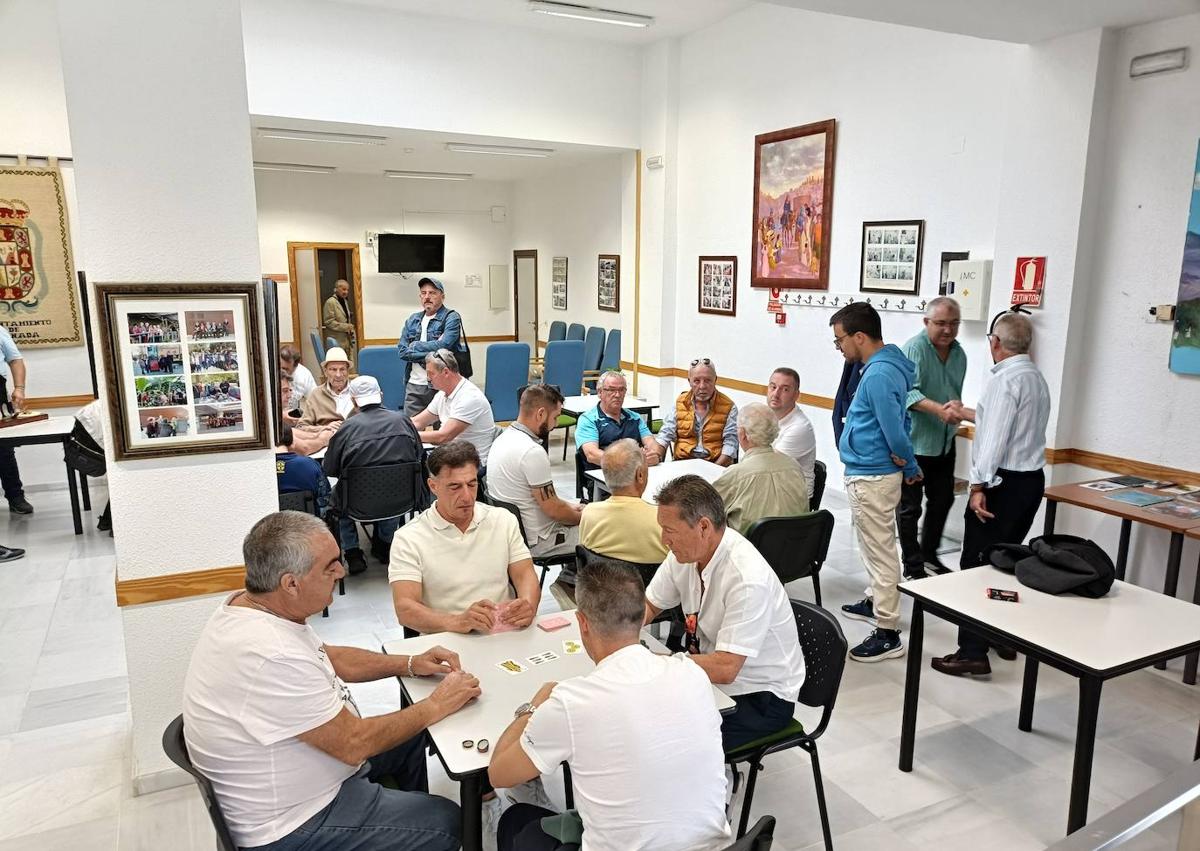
(482,746)
(468,743)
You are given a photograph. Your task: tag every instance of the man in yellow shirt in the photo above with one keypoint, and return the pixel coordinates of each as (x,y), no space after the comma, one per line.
(624,526)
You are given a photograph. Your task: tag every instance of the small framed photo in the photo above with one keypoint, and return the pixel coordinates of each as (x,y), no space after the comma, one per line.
(717,285)
(558,283)
(184,368)
(608,282)
(891,257)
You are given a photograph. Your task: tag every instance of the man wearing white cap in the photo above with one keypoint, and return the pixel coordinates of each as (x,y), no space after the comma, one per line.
(330,402)
(373,437)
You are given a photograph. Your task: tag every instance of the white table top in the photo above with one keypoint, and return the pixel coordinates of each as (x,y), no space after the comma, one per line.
(576,405)
(1127,624)
(320,453)
(502,692)
(660,474)
(42,428)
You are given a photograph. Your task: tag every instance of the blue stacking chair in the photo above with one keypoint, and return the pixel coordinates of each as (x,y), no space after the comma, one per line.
(386,366)
(507,372)
(558,331)
(612,351)
(564,369)
(317,347)
(593,352)
(575,331)
(330,343)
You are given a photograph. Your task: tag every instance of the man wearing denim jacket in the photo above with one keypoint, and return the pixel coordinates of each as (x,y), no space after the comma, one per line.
(429,329)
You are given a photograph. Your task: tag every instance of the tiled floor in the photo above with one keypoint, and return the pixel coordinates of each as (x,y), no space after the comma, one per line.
(978,782)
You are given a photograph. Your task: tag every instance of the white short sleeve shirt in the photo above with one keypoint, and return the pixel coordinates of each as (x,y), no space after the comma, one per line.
(254,684)
(798,440)
(517,464)
(467,404)
(740,607)
(303,384)
(643,738)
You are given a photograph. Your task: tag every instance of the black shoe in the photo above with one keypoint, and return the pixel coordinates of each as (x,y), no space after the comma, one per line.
(1005,652)
(915,572)
(10,553)
(356,562)
(105,524)
(20,506)
(935,565)
(381,551)
(956,665)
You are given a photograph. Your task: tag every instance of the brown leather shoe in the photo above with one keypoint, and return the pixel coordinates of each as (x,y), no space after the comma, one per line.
(956,665)
(1005,652)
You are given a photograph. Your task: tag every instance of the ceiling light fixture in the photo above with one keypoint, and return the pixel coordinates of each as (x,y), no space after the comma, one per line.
(503,150)
(319,136)
(300,167)
(589,13)
(429,175)
(1157,63)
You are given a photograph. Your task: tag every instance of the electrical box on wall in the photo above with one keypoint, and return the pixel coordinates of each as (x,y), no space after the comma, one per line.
(970,283)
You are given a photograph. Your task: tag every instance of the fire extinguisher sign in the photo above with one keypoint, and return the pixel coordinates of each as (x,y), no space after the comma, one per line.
(1029,280)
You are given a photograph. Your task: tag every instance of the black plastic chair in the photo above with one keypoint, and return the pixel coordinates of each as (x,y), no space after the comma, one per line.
(585,556)
(819,476)
(176,750)
(795,547)
(759,838)
(584,484)
(543,562)
(824,648)
(385,492)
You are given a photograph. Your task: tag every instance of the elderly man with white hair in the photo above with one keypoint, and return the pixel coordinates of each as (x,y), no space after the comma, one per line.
(624,526)
(765,483)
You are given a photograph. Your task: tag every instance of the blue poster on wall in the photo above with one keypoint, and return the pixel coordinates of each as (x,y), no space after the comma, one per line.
(1185,342)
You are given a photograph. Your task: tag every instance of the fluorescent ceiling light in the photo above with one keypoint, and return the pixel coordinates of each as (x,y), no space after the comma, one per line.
(504,150)
(429,175)
(320,136)
(304,169)
(590,13)
(1157,63)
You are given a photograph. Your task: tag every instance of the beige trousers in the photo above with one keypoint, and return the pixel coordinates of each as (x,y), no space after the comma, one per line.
(873,501)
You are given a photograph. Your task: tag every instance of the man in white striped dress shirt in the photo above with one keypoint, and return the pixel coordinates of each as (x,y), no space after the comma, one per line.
(1007,457)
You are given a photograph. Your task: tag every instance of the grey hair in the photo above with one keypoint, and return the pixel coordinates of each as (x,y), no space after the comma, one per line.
(612,597)
(444,358)
(612,373)
(941,301)
(759,423)
(289,354)
(1015,333)
(280,543)
(694,498)
(621,461)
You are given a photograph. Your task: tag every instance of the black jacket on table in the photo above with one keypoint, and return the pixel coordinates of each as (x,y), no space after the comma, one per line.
(374,437)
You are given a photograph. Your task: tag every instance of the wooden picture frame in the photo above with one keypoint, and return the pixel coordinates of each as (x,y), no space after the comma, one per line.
(793,207)
(608,282)
(716,285)
(558,283)
(183,368)
(891,257)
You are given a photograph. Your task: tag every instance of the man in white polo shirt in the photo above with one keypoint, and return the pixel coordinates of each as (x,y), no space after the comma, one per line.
(738,623)
(640,733)
(452,566)
(461,408)
(796,436)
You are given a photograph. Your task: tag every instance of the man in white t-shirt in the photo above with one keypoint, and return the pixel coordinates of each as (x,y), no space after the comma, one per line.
(461,408)
(641,734)
(452,566)
(796,436)
(519,472)
(303,382)
(268,718)
(738,623)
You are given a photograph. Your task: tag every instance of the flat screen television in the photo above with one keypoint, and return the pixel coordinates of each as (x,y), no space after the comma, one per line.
(411,252)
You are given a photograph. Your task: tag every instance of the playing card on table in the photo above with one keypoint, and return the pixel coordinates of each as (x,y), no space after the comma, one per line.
(512,666)
(571,646)
(542,658)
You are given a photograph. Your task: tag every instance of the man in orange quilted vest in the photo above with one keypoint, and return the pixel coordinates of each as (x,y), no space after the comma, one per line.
(703,423)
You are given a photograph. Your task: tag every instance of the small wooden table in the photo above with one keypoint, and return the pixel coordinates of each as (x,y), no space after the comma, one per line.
(53,430)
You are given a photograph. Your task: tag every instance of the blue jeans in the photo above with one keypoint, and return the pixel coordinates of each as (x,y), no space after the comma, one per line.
(368,817)
(383,532)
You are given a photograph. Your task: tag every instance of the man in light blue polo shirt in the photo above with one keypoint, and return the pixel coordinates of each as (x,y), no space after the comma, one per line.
(14,374)
(608,422)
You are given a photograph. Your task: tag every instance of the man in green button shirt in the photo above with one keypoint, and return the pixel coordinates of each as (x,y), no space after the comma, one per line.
(941,366)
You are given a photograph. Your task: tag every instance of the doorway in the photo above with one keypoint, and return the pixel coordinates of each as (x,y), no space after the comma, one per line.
(316,267)
(525,297)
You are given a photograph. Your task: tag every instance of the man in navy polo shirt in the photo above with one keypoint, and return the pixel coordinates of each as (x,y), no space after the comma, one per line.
(608,422)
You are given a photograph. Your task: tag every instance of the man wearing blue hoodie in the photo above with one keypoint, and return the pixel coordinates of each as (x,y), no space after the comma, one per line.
(878,455)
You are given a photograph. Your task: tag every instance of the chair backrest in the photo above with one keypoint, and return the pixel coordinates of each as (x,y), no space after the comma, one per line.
(564,366)
(758,838)
(585,557)
(824,647)
(318,347)
(593,348)
(612,351)
(330,343)
(819,475)
(384,364)
(575,331)
(558,331)
(176,750)
(795,547)
(382,492)
(507,369)
(303,501)
(512,509)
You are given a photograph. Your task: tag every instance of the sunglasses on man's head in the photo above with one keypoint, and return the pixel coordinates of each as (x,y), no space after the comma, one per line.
(704,361)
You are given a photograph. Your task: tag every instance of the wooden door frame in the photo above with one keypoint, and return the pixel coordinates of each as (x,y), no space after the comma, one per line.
(355,284)
(527,253)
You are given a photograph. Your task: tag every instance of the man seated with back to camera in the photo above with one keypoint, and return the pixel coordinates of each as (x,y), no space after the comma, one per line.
(624,526)
(765,483)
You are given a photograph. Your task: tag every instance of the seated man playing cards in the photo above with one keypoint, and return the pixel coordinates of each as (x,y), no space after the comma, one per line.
(450,568)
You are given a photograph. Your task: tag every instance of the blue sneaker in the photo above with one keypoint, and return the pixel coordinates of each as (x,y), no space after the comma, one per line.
(879,645)
(863,610)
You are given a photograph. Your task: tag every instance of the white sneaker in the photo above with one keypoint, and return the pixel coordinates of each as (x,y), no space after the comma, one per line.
(492,810)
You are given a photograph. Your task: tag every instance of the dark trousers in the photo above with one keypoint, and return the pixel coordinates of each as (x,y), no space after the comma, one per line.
(757,715)
(521,830)
(1015,502)
(10,476)
(937,488)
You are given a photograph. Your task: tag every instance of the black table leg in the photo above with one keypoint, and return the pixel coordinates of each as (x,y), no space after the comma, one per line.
(470,790)
(83,487)
(1123,547)
(912,686)
(74,487)
(1085,744)
(1051,510)
(1171,582)
(1189,666)
(1028,694)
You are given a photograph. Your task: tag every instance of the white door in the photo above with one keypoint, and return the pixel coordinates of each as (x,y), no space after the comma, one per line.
(525,266)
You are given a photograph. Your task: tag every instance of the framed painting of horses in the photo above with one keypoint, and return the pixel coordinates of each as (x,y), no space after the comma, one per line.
(793,207)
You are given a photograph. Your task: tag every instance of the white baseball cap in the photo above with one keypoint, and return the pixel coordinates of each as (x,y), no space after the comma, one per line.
(364,389)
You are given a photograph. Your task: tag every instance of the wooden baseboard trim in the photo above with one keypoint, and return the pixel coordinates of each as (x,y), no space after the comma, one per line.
(37,403)
(176,586)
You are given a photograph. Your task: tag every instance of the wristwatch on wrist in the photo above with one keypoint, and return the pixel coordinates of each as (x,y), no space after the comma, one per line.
(978,488)
(526,708)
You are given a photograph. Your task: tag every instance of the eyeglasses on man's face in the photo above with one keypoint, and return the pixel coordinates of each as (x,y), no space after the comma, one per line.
(837,341)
